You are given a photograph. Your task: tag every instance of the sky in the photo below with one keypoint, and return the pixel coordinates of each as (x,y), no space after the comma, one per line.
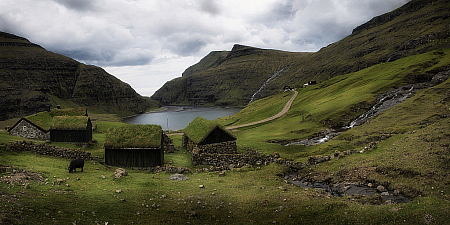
(148,42)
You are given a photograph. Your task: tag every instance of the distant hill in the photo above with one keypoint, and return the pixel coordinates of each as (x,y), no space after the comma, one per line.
(234,77)
(33,78)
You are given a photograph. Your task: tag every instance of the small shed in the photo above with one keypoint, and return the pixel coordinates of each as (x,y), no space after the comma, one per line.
(71,129)
(134,146)
(27,129)
(208,137)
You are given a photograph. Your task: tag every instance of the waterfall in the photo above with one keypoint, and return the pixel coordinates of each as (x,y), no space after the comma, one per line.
(266,82)
(390,100)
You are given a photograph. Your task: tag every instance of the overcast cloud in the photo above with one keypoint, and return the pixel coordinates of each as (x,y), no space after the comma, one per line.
(148,42)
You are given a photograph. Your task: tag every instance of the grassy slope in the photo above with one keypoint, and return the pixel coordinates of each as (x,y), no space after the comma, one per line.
(414,160)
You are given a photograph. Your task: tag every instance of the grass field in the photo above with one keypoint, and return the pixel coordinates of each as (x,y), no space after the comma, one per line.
(412,156)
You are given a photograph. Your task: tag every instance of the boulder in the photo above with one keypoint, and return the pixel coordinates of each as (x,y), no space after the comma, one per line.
(120,172)
(178,177)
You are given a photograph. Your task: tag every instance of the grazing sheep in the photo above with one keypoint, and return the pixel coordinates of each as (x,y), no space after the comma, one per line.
(77,163)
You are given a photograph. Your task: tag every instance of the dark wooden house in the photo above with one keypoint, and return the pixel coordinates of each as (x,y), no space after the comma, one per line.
(71,129)
(207,136)
(27,129)
(134,146)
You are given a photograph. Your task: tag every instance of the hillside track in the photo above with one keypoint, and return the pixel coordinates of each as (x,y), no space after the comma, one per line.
(281,113)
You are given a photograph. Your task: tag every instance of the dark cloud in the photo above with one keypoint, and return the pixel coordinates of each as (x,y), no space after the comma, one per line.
(210,7)
(87,54)
(187,47)
(78,5)
(129,61)
(105,57)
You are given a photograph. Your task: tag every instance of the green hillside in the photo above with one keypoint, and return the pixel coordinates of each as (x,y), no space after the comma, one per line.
(403,149)
(415,28)
(33,78)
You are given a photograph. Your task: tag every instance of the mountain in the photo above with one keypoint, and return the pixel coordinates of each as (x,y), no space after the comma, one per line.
(226,77)
(234,77)
(32,79)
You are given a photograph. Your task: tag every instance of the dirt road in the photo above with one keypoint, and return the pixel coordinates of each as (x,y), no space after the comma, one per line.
(281,113)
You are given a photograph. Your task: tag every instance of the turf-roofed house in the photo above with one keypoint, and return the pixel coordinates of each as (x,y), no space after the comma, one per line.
(37,126)
(205,136)
(131,146)
(71,129)
(26,128)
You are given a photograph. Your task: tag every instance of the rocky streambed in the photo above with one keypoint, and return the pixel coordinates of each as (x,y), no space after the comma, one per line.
(356,190)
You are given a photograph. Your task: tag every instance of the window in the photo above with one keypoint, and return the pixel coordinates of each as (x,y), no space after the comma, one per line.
(24,128)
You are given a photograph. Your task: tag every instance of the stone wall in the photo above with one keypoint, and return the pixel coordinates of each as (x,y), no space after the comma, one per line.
(167,144)
(45,149)
(27,130)
(228,147)
(233,160)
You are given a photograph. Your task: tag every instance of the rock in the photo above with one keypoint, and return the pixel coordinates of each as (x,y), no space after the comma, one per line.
(103,177)
(396,192)
(381,188)
(222,173)
(123,200)
(178,177)
(201,186)
(192,214)
(120,172)
(394,210)
(384,193)
(59,180)
(429,219)
(118,191)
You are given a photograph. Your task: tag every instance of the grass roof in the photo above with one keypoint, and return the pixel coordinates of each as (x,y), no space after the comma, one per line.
(69,123)
(134,136)
(69,112)
(44,119)
(200,128)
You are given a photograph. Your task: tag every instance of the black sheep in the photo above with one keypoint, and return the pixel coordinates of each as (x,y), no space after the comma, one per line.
(77,163)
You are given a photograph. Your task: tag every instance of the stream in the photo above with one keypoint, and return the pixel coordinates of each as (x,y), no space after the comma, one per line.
(384,101)
(267,81)
(351,189)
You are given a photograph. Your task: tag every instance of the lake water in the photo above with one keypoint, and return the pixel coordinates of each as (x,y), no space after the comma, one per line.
(179,117)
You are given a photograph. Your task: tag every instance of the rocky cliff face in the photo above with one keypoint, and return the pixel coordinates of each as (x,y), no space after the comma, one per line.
(32,79)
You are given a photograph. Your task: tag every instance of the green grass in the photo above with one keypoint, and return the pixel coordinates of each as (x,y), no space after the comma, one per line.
(412,157)
(69,123)
(134,136)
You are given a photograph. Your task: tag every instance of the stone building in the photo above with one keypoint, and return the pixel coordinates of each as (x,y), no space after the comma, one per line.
(204,136)
(27,129)
(38,126)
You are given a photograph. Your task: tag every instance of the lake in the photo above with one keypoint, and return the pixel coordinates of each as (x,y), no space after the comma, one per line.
(179,117)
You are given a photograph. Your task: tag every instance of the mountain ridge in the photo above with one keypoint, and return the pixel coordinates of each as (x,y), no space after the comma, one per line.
(34,79)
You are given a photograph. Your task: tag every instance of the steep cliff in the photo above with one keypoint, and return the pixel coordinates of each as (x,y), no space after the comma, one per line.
(33,78)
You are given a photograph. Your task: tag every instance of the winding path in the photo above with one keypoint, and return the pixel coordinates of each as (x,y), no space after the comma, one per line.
(281,113)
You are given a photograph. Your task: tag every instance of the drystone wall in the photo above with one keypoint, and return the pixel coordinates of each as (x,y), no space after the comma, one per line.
(26,130)
(228,147)
(45,149)
(233,160)
(167,145)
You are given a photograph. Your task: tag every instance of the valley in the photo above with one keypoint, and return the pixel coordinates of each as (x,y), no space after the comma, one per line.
(367,144)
